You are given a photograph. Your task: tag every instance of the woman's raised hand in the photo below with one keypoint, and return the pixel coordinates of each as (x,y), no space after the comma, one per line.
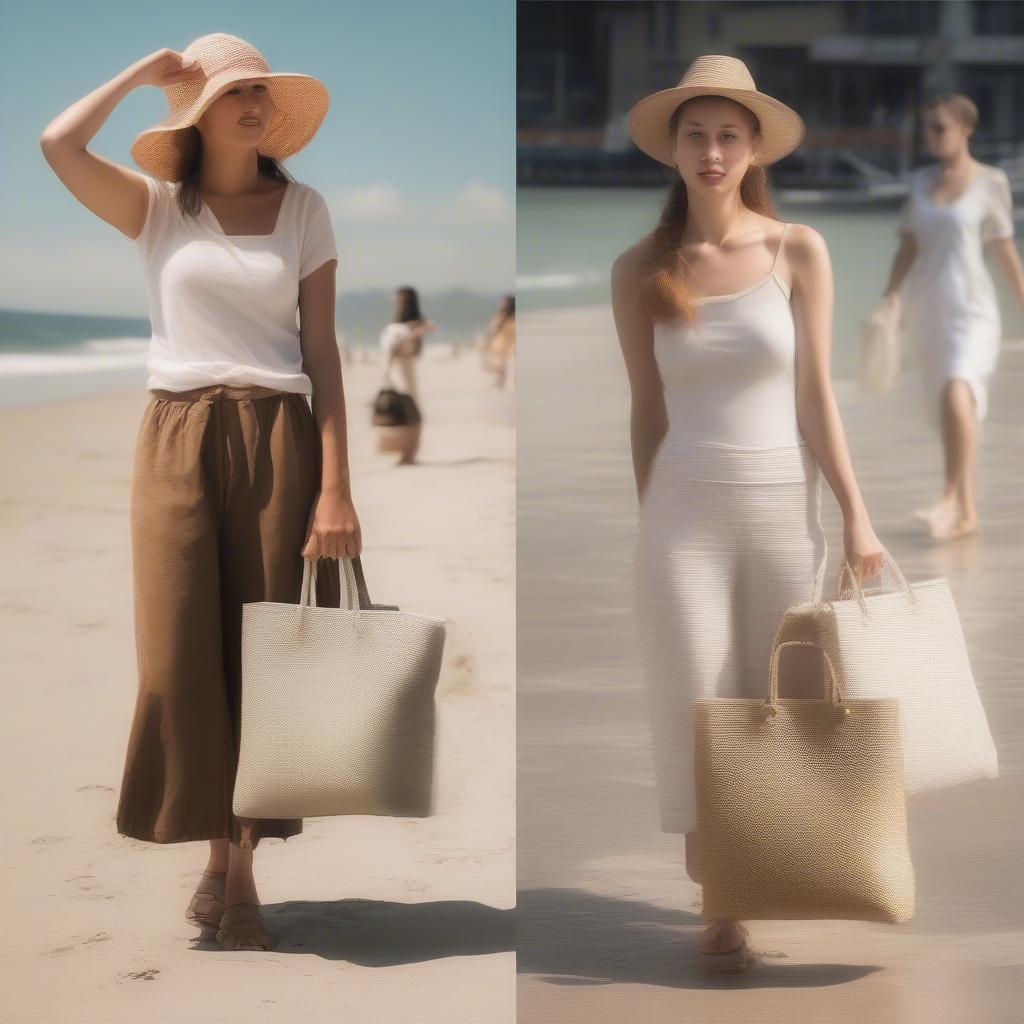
(162,68)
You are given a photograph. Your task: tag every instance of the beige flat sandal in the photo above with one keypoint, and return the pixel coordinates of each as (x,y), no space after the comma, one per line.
(207,903)
(241,927)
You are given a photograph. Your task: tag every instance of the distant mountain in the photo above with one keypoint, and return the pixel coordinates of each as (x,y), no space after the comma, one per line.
(460,314)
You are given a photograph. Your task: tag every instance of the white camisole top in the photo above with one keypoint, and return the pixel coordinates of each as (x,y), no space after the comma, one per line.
(730,378)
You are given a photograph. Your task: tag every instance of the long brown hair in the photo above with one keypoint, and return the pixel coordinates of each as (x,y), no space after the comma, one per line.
(189,197)
(664,283)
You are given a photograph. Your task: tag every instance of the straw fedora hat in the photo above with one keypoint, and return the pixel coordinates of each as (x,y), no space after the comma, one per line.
(301,103)
(782,128)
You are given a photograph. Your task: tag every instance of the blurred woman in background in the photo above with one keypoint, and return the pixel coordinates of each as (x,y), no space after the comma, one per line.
(401,343)
(499,350)
(950,315)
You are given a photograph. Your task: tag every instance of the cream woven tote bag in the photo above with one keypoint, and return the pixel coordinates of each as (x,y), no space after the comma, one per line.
(879,356)
(337,705)
(800,807)
(904,642)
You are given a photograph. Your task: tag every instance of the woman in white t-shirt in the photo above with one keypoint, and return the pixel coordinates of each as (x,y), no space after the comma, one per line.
(401,344)
(401,341)
(236,477)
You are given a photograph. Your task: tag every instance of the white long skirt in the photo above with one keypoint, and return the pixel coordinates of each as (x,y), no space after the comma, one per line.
(728,538)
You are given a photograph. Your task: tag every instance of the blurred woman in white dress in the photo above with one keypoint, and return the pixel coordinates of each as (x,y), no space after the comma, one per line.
(950,313)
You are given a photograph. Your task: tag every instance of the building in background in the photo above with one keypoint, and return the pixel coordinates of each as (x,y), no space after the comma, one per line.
(856,70)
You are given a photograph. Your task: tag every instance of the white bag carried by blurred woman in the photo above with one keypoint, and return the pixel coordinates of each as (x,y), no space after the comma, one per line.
(881,347)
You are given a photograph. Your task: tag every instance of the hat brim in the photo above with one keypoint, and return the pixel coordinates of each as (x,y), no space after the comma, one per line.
(782,128)
(300,101)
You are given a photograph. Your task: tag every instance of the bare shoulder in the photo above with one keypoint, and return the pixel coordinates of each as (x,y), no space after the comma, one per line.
(805,246)
(629,265)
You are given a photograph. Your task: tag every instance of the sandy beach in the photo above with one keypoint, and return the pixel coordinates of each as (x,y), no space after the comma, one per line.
(378,920)
(608,919)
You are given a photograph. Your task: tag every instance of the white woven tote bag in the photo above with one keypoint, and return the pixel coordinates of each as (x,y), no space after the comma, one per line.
(880,347)
(905,642)
(337,705)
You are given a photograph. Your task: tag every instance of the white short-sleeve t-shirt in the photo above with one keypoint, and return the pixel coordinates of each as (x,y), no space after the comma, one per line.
(393,335)
(224,308)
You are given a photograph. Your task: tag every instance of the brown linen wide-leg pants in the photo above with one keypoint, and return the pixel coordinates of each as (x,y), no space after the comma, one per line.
(223,484)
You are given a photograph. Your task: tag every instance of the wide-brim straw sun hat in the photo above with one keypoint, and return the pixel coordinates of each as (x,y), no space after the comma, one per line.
(300,102)
(782,128)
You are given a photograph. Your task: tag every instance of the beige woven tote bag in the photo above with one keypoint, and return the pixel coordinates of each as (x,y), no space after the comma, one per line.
(800,807)
(337,705)
(904,642)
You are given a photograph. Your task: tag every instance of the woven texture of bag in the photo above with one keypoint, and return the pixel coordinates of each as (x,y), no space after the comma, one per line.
(800,806)
(905,642)
(337,711)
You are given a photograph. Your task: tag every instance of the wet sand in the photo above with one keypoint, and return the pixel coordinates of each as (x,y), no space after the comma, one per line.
(377,919)
(608,919)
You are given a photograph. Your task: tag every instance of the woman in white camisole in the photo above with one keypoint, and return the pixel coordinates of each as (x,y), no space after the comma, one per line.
(950,311)
(732,415)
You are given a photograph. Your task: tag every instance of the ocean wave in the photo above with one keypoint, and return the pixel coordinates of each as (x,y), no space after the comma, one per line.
(94,355)
(558,282)
(117,345)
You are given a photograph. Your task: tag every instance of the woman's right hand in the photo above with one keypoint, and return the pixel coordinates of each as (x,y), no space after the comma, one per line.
(162,68)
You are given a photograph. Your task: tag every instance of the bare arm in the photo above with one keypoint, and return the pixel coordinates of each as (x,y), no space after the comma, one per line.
(333,515)
(817,409)
(417,328)
(902,262)
(114,193)
(1004,253)
(648,418)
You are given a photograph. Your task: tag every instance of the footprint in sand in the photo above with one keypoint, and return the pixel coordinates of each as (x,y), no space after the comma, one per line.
(98,937)
(96,785)
(147,975)
(43,840)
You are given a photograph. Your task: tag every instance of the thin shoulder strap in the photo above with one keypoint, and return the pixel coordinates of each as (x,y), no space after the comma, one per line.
(778,251)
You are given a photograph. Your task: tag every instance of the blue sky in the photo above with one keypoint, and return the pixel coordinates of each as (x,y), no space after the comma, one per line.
(416,156)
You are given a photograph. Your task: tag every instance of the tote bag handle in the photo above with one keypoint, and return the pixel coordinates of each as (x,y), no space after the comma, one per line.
(354,593)
(833,695)
(847,575)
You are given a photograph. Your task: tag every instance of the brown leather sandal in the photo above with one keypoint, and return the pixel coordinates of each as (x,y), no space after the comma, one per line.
(207,903)
(241,927)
